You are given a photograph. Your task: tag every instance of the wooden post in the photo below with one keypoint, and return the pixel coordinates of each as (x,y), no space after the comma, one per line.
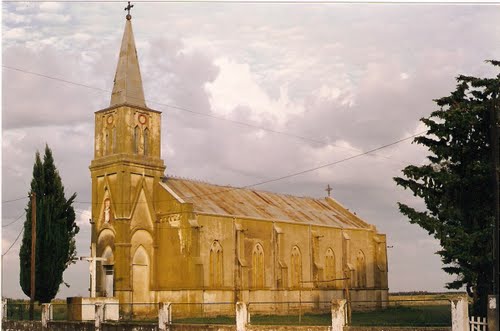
(347,296)
(33,253)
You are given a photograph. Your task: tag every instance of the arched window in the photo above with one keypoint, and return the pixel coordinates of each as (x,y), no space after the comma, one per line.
(146,141)
(361,269)
(106,142)
(330,271)
(296,267)
(136,139)
(216,265)
(107,277)
(114,139)
(258,266)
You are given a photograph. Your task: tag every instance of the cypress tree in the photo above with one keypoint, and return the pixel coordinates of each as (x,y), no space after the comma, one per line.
(55,230)
(456,184)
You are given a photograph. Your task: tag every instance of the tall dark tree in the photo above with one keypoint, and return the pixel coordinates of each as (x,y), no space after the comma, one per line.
(55,231)
(456,184)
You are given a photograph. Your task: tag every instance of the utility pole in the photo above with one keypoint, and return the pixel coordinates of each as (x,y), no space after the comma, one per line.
(33,252)
(493,308)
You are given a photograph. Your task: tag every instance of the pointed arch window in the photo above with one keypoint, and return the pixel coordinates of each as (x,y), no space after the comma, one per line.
(216,265)
(330,271)
(106,142)
(296,267)
(258,266)
(146,141)
(113,137)
(136,139)
(361,269)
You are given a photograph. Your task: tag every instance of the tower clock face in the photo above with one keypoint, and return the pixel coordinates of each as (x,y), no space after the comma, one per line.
(110,119)
(142,119)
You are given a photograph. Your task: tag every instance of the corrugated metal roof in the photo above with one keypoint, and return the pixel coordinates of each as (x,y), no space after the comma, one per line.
(231,201)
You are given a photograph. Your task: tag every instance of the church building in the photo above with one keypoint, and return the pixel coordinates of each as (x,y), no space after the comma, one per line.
(166,239)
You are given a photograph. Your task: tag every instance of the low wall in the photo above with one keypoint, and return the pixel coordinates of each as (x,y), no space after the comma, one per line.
(89,326)
(286,328)
(21,325)
(396,328)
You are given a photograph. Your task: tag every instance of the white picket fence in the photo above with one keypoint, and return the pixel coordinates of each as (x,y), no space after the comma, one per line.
(478,324)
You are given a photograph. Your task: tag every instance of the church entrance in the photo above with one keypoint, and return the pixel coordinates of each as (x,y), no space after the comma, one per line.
(140,281)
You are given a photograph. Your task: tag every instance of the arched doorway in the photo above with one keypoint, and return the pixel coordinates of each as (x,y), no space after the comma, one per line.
(140,276)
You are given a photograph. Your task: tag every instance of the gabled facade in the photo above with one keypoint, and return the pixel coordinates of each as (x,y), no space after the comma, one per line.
(175,240)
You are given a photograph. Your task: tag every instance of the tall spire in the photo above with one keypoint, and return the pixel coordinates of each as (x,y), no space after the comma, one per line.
(128,83)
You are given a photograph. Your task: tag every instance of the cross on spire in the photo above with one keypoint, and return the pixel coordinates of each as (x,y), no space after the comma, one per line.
(328,189)
(128,10)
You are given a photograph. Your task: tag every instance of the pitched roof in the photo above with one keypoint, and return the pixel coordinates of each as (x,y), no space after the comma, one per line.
(127,86)
(242,202)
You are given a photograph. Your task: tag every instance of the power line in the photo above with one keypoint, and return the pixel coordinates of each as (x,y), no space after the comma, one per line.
(337,162)
(292,174)
(17,219)
(12,200)
(245,124)
(286,2)
(13,242)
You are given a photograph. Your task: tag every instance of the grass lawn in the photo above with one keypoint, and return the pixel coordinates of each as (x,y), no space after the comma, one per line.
(206,320)
(404,310)
(438,315)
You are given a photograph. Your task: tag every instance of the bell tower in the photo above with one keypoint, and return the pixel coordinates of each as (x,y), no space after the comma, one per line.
(125,171)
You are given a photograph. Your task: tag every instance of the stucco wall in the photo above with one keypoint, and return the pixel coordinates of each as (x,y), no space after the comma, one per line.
(82,326)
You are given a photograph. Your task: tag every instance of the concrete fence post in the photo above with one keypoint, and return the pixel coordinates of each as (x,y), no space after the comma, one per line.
(338,314)
(99,316)
(492,309)
(4,309)
(46,314)
(241,316)
(460,314)
(164,316)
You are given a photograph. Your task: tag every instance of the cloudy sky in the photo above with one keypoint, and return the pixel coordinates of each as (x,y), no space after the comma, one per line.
(334,79)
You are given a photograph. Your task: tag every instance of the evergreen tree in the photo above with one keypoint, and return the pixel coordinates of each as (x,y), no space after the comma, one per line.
(55,231)
(456,184)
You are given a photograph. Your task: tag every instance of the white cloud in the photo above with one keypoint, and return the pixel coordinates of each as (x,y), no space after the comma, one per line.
(13,18)
(237,86)
(15,34)
(51,6)
(52,18)
(24,6)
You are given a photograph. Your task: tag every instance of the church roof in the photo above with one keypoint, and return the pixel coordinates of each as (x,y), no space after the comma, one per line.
(243,202)
(127,86)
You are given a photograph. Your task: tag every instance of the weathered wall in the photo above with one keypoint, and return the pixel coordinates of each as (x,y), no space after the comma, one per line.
(22,326)
(395,328)
(83,326)
(286,328)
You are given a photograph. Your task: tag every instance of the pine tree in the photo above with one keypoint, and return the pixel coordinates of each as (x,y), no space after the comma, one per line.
(456,184)
(55,231)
